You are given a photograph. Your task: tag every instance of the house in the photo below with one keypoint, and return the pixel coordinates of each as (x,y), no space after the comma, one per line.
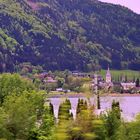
(62,90)
(128,86)
(43,75)
(49,79)
(79,74)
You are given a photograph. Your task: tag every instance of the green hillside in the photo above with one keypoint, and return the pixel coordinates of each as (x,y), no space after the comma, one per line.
(72,34)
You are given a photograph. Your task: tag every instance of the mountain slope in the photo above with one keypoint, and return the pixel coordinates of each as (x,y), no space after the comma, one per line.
(70,34)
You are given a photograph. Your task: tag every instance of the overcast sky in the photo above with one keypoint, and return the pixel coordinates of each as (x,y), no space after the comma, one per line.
(131,4)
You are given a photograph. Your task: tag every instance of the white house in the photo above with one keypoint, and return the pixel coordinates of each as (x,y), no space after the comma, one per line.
(128,86)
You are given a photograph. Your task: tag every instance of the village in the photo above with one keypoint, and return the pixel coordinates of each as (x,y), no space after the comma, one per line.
(75,81)
(123,85)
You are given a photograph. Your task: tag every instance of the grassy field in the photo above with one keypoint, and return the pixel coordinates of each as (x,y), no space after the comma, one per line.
(116,74)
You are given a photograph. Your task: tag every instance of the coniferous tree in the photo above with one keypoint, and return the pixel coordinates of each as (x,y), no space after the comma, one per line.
(113,121)
(126,79)
(116,108)
(137,82)
(64,111)
(51,109)
(82,105)
(98,102)
(64,120)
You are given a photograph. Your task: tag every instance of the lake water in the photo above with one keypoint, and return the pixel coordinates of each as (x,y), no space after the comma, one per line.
(130,105)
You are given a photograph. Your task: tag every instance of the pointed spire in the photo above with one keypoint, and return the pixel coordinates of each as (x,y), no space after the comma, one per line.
(108,71)
(108,76)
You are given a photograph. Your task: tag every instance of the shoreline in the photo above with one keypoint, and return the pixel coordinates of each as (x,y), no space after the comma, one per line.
(124,94)
(82,95)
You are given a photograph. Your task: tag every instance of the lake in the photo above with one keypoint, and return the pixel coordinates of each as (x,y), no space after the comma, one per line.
(130,105)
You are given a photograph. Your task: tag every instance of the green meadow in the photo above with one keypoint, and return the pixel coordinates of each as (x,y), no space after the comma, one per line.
(117,74)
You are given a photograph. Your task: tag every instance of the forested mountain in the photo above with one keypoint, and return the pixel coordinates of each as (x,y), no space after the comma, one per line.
(68,34)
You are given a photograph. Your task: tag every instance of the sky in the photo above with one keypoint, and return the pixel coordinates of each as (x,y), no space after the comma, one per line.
(131,4)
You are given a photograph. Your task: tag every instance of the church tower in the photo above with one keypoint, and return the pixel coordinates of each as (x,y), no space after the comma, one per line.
(96,83)
(108,76)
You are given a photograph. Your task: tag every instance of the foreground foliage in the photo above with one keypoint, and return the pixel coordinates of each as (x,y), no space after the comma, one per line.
(25,115)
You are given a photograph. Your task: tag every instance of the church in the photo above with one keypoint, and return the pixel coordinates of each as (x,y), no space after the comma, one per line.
(99,82)
(108,80)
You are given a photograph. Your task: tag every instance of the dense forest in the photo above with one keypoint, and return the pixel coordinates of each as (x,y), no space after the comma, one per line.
(72,34)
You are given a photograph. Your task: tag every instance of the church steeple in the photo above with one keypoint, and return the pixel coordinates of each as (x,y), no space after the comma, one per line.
(108,76)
